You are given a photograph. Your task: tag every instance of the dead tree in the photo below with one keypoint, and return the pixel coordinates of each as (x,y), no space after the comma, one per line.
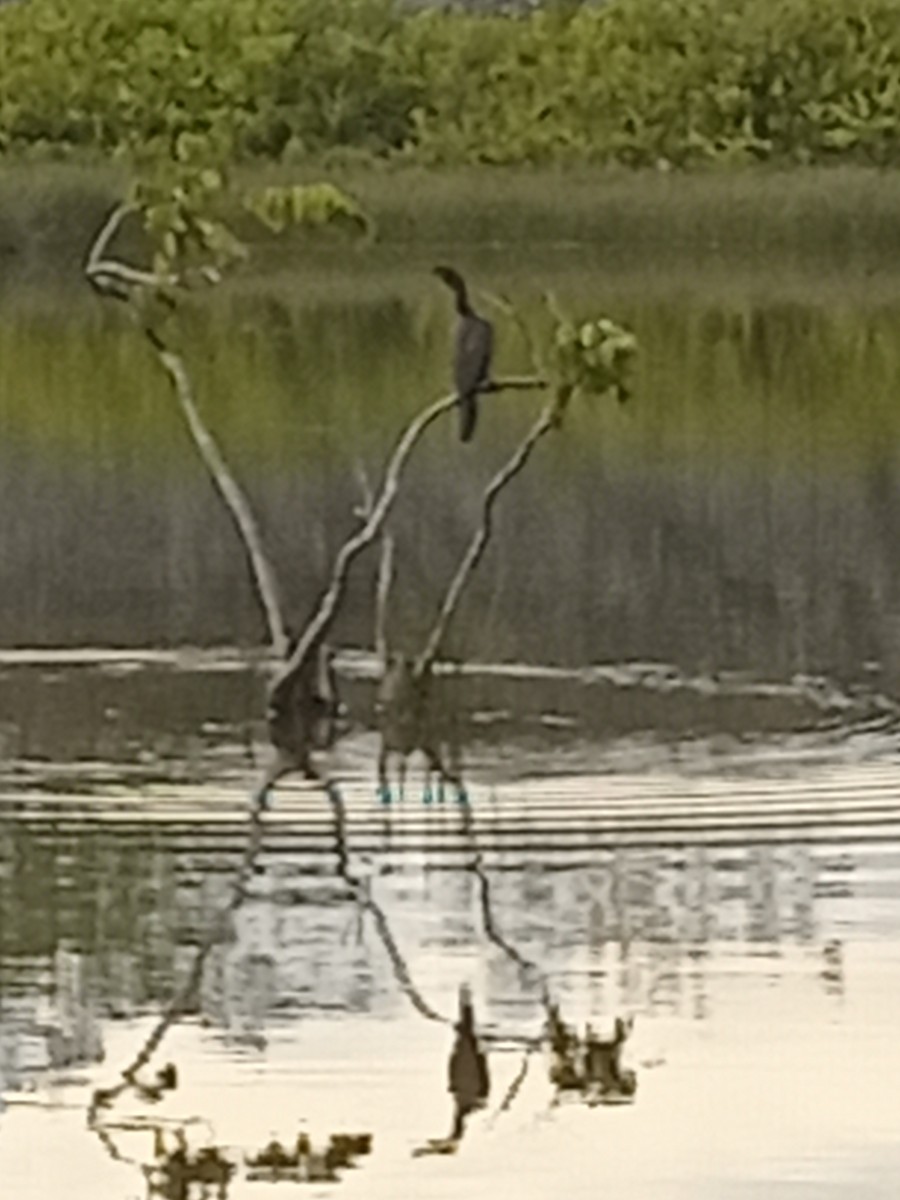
(412,714)
(303,705)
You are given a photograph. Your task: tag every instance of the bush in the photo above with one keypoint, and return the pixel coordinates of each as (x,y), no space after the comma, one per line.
(632,81)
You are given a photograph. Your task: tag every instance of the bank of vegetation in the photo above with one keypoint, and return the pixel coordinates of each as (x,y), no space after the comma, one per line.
(664,83)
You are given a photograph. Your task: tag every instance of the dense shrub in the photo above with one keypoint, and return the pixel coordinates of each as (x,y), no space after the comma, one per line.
(630,81)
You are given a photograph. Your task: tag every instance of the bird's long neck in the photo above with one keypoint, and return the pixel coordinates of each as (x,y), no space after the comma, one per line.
(463,307)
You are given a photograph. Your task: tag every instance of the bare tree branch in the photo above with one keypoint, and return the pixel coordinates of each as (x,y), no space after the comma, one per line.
(236,502)
(385,575)
(365,486)
(548,420)
(105,273)
(510,311)
(382,597)
(114,278)
(320,623)
(367,903)
(182,999)
(100,271)
(514,383)
(323,618)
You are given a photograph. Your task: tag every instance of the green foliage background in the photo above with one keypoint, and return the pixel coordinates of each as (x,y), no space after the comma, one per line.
(638,82)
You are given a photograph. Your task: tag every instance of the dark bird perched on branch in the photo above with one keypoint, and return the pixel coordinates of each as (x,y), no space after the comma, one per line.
(472,353)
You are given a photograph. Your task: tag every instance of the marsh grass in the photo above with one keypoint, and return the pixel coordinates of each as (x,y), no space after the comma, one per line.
(803,232)
(743,510)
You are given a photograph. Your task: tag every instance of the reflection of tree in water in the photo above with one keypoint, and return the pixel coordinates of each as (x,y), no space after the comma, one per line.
(567,898)
(58,1031)
(178,1171)
(590,1065)
(239,985)
(832,973)
(564,911)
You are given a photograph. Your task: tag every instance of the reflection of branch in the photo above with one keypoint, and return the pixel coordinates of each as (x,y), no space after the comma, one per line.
(364,899)
(109,1145)
(525,965)
(183,997)
(115,278)
(548,420)
(488,918)
(515,1086)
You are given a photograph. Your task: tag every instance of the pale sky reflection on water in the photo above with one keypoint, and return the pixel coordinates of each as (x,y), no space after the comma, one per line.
(783,1089)
(755,945)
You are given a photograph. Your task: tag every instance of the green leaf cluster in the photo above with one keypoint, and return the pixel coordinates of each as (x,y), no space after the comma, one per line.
(593,357)
(313,205)
(184,209)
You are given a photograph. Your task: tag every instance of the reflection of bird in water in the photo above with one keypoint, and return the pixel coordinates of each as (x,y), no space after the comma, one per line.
(469,1078)
(472,353)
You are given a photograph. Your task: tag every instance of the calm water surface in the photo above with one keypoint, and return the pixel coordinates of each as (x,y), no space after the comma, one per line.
(682,775)
(738,897)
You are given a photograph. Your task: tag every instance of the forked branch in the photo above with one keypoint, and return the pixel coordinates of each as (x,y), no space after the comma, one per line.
(323,618)
(549,419)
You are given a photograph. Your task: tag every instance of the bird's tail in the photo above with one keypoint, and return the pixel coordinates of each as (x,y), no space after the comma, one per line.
(468,415)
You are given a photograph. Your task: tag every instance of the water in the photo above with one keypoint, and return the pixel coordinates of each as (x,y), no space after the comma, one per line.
(736,897)
(679,738)
(741,514)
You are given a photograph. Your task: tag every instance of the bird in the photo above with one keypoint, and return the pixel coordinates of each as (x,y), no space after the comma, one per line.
(472,353)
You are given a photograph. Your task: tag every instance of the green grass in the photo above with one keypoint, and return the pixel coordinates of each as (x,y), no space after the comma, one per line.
(797,234)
